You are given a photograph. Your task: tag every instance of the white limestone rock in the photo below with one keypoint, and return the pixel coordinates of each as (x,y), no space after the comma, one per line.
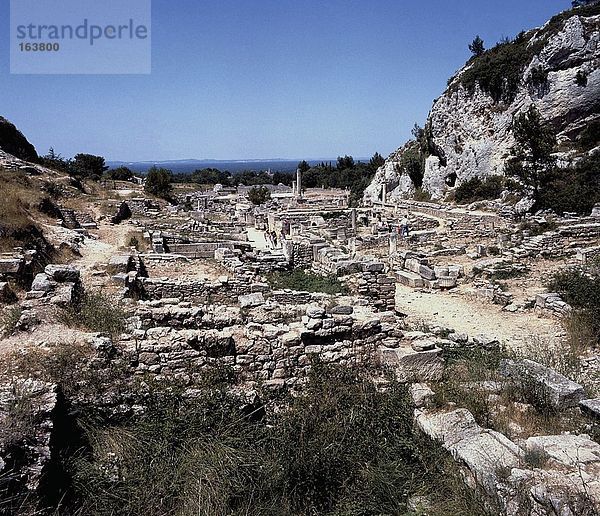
(473,133)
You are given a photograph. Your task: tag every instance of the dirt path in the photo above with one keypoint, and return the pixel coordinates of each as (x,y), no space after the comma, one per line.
(110,238)
(451,310)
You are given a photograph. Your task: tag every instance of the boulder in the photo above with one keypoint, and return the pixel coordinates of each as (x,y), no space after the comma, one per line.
(42,283)
(485,453)
(590,407)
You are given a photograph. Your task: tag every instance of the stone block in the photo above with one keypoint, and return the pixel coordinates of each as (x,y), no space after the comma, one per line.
(410,279)
(560,391)
(42,283)
(426,272)
(413,366)
(590,407)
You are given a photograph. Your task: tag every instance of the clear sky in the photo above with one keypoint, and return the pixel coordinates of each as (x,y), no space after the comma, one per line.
(237,79)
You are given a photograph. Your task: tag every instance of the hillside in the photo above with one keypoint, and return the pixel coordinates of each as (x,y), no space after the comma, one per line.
(468,131)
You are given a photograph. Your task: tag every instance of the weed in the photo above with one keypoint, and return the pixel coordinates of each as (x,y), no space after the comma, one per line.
(96,312)
(10,319)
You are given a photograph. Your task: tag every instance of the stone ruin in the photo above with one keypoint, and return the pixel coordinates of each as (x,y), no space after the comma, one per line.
(180,325)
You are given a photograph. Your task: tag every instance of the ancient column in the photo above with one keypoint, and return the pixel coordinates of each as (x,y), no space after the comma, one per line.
(393,243)
(384,193)
(353,219)
(299,183)
(293,188)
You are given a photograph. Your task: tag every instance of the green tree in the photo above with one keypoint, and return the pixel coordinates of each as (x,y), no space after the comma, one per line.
(88,166)
(532,162)
(376,161)
(303,166)
(477,47)
(259,195)
(158,182)
(120,174)
(56,161)
(345,162)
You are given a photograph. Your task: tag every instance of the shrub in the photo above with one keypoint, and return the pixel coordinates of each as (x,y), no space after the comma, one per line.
(537,228)
(301,280)
(477,189)
(9,320)
(158,182)
(342,447)
(580,287)
(97,312)
(421,195)
(498,71)
(581,79)
(120,174)
(590,136)
(538,77)
(259,195)
(573,189)
(88,166)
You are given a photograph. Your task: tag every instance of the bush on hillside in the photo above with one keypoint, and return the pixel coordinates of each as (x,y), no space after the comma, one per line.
(478,189)
(97,312)
(573,189)
(580,287)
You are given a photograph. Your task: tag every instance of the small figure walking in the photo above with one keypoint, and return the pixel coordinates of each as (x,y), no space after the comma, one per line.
(404,229)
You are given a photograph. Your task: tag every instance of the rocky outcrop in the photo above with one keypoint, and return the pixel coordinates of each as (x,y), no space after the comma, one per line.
(469,126)
(13,142)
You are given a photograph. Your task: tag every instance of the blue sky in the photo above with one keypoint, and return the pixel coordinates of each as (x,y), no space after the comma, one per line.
(236,79)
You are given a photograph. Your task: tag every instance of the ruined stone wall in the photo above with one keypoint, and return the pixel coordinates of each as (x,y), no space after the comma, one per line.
(203,292)
(375,284)
(277,356)
(199,250)
(292,297)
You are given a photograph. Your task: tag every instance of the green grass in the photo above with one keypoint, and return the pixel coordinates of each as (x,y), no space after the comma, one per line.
(307,281)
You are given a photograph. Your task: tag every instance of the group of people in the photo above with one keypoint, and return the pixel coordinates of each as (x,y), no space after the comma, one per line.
(403,228)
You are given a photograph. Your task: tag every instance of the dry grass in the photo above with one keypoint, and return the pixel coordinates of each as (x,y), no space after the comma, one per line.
(515,408)
(19,199)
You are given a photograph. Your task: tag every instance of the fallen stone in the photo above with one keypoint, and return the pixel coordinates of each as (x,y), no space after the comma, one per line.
(41,283)
(485,453)
(567,449)
(410,279)
(413,366)
(341,310)
(421,394)
(559,391)
(315,312)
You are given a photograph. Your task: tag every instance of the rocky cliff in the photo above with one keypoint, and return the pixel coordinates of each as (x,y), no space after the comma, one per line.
(468,131)
(13,142)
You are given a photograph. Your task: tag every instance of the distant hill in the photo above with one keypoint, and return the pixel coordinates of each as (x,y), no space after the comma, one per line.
(189,165)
